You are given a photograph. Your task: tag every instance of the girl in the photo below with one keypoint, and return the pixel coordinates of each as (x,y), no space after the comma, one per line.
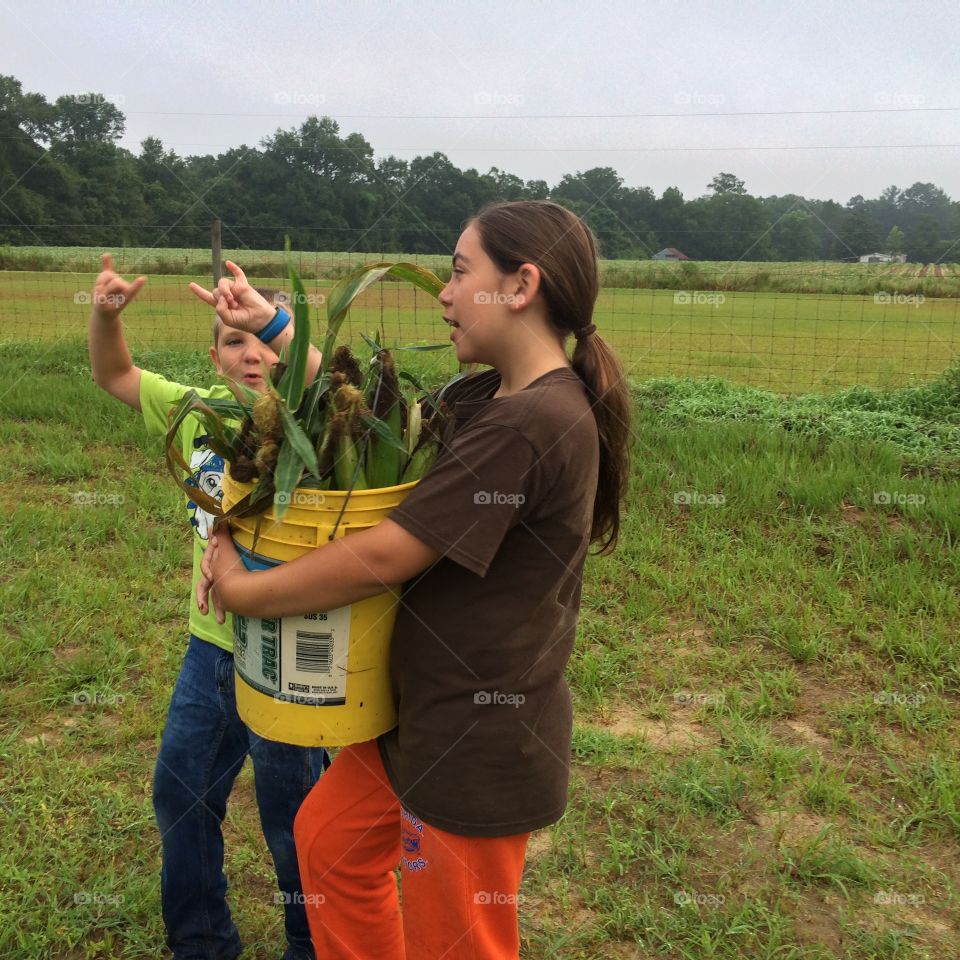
(490,548)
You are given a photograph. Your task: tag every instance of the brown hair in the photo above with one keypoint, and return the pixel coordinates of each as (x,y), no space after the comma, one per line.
(564,250)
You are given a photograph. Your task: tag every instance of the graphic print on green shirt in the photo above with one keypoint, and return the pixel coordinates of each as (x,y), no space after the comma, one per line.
(157,397)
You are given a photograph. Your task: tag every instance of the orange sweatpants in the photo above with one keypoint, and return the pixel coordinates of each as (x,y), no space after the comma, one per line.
(459,893)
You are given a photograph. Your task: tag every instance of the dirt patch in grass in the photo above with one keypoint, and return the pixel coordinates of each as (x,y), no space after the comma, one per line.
(794,827)
(798,729)
(51,731)
(676,731)
(934,926)
(815,920)
(684,639)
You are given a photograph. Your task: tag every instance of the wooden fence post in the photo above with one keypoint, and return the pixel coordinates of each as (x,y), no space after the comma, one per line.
(217,251)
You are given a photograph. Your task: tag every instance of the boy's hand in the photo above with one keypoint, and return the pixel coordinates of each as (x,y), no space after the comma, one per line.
(237,304)
(111,293)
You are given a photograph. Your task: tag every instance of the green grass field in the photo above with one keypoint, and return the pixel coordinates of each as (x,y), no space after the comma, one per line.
(766,683)
(787,342)
(934,280)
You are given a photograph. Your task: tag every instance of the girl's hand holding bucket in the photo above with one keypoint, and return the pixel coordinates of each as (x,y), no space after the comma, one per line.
(220,561)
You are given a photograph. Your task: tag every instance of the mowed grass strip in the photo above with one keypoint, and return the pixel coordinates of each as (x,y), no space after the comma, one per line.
(765,681)
(786,342)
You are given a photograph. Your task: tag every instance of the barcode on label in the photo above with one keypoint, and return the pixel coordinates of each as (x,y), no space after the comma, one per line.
(315,652)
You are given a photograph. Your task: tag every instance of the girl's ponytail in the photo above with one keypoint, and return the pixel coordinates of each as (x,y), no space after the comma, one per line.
(602,374)
(565,251)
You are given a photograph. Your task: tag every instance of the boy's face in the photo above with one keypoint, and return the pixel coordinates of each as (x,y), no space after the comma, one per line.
(242,357)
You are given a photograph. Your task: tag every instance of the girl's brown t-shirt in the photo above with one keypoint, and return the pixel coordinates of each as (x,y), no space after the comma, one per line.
(482,745)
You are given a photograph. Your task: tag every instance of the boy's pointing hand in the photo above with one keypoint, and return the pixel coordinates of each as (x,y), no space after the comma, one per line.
(237,304)
(111,293)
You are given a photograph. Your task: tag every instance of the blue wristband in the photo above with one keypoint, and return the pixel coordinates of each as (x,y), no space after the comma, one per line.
(275,327)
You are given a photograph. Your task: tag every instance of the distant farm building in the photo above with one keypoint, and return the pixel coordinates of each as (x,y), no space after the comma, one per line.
(884,258)
(669,253)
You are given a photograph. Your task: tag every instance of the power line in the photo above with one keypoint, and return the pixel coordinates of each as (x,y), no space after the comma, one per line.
(604,149)
(598,149)
(548,116)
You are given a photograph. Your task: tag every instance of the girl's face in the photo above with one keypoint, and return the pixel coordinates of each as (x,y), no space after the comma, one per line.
(475,302)
(241,356)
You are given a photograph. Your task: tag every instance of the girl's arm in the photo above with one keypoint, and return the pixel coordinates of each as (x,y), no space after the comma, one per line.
(348,569)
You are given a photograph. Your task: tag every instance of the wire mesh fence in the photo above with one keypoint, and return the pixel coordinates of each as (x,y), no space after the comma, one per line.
(788,327)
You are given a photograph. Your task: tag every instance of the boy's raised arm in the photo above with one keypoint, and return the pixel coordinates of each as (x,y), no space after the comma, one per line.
(110,361)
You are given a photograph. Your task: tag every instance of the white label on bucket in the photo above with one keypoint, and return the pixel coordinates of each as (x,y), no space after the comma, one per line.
(297,659)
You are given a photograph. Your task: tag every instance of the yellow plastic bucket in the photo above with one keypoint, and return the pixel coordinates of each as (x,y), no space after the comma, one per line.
(322,679)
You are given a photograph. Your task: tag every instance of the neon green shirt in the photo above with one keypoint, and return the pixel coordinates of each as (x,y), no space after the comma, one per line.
(157,397)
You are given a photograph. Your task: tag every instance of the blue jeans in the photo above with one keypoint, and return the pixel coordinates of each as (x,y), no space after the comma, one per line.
(203,749)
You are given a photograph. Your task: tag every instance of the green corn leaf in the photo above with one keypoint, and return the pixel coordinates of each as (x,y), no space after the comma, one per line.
(286,478)
(295,438)
(350,287)
(381,431)
(423,348)
(191,403)
(248,393)
(425,394)
(231,409)
(372,343)
(312,415)
(294,379)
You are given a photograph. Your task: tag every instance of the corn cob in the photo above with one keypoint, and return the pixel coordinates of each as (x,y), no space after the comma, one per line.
(421,461)
(347,470)
(385,461)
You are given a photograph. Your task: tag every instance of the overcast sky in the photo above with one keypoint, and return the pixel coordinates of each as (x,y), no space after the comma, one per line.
(530,87)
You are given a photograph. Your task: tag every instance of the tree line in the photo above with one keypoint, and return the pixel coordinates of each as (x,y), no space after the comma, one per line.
(65,181)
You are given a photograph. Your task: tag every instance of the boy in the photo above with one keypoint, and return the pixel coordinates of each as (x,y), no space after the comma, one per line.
(204,741)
